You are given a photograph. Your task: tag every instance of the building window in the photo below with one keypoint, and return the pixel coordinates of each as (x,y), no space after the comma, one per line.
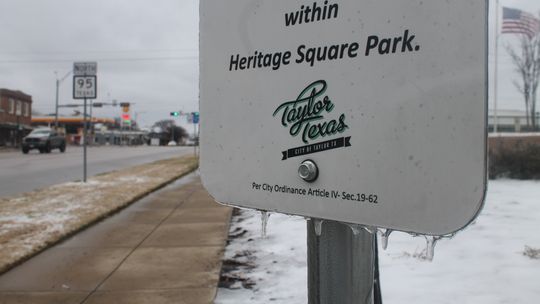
(19,108)
(26,109)
(11,109)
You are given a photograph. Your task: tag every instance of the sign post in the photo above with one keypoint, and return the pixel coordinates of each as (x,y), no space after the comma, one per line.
(85,87)
(340,264)
(195,121)
(369,113)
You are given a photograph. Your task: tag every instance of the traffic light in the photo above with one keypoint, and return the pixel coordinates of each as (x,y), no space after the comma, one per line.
(175,114)
(125,107)
(195,117)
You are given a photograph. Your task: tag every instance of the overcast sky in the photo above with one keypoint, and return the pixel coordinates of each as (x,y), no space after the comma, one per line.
(147,52)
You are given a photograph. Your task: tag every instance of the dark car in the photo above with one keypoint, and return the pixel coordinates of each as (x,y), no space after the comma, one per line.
(45,140)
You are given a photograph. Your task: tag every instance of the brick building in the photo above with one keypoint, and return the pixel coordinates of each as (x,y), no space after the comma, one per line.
(15,116)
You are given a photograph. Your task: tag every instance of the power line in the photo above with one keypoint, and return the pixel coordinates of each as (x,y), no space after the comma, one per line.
(100,60)
(97,51)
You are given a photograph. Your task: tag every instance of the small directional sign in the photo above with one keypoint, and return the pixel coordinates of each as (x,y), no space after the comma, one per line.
(85,68)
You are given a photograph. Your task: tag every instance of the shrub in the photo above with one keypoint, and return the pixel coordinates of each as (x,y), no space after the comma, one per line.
(521,161)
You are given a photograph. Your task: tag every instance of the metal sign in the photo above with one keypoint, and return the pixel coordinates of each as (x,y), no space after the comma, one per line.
(84,87)
(370,112)
(85,68)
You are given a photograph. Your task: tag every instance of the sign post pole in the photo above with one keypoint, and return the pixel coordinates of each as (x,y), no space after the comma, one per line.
(340,264)
(84,87)
(84,144)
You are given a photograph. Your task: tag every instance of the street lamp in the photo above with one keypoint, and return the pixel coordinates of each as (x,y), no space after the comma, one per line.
(58,82)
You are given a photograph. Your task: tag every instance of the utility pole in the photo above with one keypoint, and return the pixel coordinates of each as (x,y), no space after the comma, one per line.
(58,82)
(56,105)
(496,70)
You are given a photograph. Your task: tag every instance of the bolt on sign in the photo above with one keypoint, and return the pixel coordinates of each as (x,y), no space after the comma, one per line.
(370,112)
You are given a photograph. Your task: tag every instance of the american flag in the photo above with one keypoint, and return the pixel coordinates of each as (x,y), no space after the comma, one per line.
(519,22)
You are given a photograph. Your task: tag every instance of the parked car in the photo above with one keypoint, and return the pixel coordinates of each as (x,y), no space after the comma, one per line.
(45,140)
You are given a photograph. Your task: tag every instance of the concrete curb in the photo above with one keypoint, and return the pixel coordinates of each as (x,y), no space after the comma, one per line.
(222,253)
(99,218)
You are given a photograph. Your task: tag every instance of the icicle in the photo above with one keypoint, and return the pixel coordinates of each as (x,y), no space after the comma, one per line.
(431,241)
(384,238)
(264,221)
(449,236)
(355,229)
(318,226)
(370,230)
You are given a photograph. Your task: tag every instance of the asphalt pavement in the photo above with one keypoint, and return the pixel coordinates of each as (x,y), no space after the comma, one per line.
(165,248)
(25,172)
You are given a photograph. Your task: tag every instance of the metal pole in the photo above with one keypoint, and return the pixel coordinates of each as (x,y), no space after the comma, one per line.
(91,122)
(18,140)
(495,70)
(84,144)
(56,107)
(194,144)
(58,81)
(340,264)
(172,133)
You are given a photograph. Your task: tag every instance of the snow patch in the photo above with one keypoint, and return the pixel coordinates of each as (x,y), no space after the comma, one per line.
(493,261)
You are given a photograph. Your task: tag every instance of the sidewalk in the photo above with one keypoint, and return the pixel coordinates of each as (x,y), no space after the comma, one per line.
(165,248)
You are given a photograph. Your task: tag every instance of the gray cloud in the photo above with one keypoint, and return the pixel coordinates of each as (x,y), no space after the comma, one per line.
(147,51)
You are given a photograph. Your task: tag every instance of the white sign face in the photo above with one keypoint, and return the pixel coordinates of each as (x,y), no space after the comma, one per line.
(85,68)
(388,98)
(84,87)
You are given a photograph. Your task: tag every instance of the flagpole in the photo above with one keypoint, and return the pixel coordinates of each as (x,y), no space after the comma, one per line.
(495,80)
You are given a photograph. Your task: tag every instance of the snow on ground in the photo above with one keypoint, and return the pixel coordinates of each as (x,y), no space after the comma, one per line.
(31,221)
(492,261)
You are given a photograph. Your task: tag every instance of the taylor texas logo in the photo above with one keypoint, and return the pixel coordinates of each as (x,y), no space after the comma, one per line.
(306,118)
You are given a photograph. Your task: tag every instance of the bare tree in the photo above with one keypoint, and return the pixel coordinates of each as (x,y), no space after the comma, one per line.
(527,62)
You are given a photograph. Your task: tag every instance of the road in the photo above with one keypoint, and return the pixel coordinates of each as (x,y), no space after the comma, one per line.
(22,173)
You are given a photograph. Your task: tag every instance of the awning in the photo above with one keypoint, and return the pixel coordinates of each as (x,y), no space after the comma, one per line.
(14,126)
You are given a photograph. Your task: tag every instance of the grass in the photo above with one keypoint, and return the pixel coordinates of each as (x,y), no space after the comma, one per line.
(34,221)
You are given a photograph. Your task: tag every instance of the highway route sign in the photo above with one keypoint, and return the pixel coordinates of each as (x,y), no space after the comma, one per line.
(84,87)
(386,99)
